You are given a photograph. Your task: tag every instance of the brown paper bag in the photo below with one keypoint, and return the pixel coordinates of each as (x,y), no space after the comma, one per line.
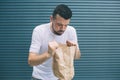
(63,65)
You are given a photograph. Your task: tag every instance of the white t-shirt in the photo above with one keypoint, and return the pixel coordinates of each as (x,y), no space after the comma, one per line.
(39,44)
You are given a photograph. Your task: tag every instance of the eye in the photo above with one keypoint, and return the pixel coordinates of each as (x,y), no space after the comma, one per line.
(59,24)
(66,25)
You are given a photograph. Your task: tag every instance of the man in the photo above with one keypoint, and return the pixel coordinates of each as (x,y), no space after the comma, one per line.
(57,31)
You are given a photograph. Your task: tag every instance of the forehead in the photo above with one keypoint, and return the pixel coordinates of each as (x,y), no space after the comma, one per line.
(61,20)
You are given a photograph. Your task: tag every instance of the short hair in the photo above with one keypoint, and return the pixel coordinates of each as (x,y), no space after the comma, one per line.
(62,10)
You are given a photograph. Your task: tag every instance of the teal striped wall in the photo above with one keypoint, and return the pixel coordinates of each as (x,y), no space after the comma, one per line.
(98,28)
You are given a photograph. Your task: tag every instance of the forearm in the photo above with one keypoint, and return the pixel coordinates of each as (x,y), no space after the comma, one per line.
(36,59)
(77,54)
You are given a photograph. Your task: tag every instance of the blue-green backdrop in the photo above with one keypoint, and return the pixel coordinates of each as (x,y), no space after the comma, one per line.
(98,28)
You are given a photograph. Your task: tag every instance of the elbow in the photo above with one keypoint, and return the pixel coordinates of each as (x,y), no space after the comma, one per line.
(30,62)
(33,62)
(32,59)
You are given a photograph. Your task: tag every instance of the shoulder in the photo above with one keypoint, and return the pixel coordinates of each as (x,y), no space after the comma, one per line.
(40,30)
(70,29)
(41,27)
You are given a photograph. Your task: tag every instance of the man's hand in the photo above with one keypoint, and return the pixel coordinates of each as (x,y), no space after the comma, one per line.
(70,43)
(52,46)
(77,53)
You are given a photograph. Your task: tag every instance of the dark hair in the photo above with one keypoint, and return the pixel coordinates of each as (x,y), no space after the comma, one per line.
(63,10)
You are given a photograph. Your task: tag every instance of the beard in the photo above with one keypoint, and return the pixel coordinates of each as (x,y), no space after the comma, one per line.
(60,32)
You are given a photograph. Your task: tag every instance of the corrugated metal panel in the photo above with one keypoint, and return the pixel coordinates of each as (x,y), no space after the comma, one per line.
(98,28)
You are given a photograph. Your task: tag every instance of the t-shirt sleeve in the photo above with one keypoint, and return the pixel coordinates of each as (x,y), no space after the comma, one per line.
(73,36)
(35,42)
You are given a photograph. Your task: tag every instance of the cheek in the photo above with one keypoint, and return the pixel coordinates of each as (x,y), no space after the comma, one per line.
(65,27)
(57,28)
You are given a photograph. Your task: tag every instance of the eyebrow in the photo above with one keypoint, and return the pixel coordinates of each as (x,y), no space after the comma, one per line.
(62,24)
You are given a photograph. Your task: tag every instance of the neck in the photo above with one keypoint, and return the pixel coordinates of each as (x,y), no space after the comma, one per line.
(51,28)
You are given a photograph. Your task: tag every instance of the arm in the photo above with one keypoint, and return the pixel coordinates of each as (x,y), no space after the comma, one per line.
(77,53)
(73,38)
(36,59)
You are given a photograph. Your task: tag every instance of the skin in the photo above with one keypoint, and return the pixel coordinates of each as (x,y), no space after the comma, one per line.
(59,24)
(58,27)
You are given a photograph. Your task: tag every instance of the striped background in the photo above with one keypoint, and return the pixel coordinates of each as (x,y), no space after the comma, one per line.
(98,28)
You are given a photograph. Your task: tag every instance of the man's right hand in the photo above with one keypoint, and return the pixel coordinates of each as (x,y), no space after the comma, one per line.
(52,46)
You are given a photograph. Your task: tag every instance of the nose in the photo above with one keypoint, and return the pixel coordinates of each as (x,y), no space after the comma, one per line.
(63,27)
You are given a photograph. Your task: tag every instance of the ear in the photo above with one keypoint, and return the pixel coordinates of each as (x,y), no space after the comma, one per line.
(51,18)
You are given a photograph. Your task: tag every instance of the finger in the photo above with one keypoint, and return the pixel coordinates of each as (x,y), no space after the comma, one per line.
(69,43)
(74,44)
